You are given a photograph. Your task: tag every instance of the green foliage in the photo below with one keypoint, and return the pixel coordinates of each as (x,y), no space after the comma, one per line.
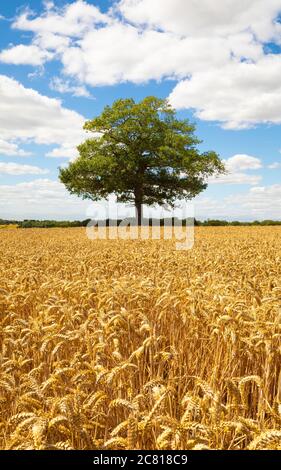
(143,154)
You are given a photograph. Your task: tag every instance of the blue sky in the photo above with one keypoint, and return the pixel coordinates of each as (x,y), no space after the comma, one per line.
(61,62)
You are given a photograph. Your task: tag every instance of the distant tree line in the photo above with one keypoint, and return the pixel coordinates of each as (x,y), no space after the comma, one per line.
(30,223)
(222,223)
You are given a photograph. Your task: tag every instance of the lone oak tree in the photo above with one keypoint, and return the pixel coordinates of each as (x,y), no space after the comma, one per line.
(143,154)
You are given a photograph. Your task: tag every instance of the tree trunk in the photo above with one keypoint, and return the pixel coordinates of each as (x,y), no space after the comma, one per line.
(138,207)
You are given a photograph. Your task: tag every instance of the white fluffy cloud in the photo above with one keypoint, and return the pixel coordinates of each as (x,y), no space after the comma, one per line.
(64,86)
(216,49)
(206,17)
(64,151)
(235,171)
(18,169)
(73,19)
(26,116)
(12,149)
(199,40)
(260,202)
(236,178)
(42,199)
(55,43)
(274,165)
(243,162)
(239,96)
(102,56)
(25,55)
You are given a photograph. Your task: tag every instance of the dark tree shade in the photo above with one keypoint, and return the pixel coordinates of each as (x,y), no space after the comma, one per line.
(143,154)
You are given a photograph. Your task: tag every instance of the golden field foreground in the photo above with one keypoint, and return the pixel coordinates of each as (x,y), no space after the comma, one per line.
(132,344)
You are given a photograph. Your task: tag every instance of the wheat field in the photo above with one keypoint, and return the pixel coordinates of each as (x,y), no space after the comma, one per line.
(117,344)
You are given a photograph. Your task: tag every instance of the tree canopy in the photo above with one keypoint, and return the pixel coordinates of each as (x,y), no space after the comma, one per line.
(142,153)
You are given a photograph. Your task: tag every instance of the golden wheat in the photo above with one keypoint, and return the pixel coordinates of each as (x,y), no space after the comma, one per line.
(121,344)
